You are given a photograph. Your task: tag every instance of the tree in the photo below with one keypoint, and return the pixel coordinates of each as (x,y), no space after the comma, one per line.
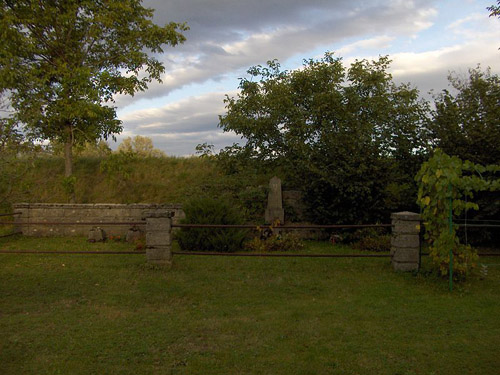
(351,133)
(16,155)
(467,120)
(140,146)
(61,62)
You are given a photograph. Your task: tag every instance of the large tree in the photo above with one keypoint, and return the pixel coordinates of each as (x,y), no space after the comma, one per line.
(467,117)
(62,61)
(350,138)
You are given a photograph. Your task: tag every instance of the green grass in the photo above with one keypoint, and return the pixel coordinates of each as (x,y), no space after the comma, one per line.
(147,180)
(113,314)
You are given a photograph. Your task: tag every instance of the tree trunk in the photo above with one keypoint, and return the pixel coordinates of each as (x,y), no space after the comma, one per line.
(68,164)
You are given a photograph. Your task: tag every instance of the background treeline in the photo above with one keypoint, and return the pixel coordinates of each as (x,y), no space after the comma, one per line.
(349,138)
(352,139)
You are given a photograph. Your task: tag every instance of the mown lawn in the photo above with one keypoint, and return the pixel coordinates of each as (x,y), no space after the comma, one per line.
(113,314)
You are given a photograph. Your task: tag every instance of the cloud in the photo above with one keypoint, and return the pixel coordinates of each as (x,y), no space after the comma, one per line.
(178,127)
(228,37)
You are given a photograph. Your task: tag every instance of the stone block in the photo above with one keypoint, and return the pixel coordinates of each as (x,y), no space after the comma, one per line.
(406,216)
(405,255)
(158,224)
(405,240)
(406,227)
(96,234)
(158,239)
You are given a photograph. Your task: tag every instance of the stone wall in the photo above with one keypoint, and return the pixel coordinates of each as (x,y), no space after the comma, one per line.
(95,213)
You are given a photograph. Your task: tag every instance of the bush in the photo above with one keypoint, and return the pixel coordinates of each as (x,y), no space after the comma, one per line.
(375,243)
(370,239)
(211,211)
(276,242)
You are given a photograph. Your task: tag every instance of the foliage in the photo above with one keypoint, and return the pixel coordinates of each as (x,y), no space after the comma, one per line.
(369,239)
(494,10)
(205,150)
(61,62)
(275,242)
(94,149)
(466,122)
(16,160)
(211,211)
(355,136)
(141,146)
(118,166)
(444,182)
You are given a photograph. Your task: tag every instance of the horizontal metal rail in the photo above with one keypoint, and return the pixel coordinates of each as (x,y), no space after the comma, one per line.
(200,253)
(10,234)
(478,225)
(263,226)
(71,252)
(13,214)
(282,255)
(75,223)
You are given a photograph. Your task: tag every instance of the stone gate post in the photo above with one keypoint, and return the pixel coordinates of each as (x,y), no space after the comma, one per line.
(405,241)
(159,236)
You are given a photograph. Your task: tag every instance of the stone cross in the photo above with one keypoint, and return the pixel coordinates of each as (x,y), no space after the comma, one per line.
(274,210)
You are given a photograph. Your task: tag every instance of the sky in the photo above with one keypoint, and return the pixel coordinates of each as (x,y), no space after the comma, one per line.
(425,39)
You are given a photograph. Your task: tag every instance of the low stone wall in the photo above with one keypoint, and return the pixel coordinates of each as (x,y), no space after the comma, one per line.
(31,213)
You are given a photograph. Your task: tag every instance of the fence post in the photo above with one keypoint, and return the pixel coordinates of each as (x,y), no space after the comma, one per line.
(159,236)
(405,241)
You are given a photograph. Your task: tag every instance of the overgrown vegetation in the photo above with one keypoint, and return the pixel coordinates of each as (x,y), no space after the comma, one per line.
(445,183)
(211,211)
(355,136)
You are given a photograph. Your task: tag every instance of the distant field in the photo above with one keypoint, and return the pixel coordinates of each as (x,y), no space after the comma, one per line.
(113,314)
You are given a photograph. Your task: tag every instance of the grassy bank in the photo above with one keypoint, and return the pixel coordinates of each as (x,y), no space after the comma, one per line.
(81,314)
(139,180)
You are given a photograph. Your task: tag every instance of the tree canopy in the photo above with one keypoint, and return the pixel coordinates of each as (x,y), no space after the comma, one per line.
(467,118)
(354,135)
(62,62)
(140,146)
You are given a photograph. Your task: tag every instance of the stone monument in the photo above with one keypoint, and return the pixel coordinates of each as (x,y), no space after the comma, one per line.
(274,210)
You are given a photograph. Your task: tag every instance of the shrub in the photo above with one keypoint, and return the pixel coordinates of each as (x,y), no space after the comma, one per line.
(211,211)
(275,242)
(370,239)
(374,243)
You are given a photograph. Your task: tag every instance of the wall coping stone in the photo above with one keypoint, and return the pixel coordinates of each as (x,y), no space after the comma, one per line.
(405,215)
(97,205)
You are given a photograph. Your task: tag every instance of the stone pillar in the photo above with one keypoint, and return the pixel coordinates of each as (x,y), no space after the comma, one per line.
(159,236)
(274,210)
(405,242)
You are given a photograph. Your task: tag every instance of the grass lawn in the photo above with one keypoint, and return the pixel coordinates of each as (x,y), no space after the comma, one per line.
(113,314)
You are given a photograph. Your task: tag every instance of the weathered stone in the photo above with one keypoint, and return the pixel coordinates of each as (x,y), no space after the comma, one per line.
(406,216)
(158,238)
(95,213)
(158,224)
(406,227)
(274,210)
(405,241)
(405,255)
(96,234)
(158,213)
